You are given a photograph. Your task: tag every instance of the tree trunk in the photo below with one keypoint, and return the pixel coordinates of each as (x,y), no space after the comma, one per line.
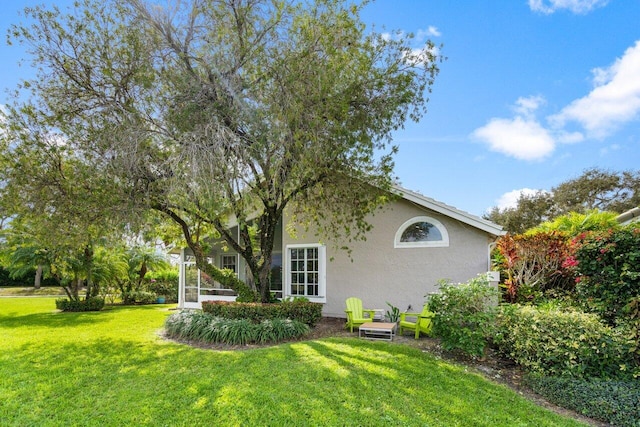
(38,279)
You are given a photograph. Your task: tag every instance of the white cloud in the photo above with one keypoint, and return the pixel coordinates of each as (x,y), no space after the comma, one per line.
(510,199)
(521,138)
(526,107)
(431,31)
(614,100)
(575,6)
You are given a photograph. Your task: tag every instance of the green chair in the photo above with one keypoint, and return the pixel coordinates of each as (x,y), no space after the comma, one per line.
(421,322)
(355,313)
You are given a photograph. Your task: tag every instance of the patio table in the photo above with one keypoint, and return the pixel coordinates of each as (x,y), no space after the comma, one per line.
(377,331)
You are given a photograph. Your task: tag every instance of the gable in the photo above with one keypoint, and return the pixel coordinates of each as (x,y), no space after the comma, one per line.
(494,230)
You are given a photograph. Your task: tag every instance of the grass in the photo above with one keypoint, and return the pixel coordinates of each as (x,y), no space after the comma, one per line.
(111,368)
(31,291)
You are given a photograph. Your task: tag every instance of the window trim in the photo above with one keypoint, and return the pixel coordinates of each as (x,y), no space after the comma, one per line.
(322,271)
(229,256)
(428,244)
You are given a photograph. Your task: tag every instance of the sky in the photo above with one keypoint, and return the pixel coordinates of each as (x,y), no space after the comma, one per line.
(531,93)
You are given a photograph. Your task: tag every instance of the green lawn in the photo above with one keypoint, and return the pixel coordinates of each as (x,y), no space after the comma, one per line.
(111,368)
(31,291)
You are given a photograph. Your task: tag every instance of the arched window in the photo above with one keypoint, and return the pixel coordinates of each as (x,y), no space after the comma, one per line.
(421,231)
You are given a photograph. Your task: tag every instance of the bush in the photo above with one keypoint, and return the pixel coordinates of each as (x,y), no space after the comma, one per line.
(609,269)
(91,304)
(464,315)
(142,297)
(164,283)
(532,265)
(615,402)
(201,326)
(303,311)
(562,342)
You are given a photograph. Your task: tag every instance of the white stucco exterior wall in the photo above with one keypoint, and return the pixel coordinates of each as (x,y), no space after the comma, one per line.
(378,273)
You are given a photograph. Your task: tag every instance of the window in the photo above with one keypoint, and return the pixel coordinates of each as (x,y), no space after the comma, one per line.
(228,262)
(421,231)
(306,271)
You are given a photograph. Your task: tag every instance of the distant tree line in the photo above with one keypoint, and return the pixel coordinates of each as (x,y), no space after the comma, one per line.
(595,189)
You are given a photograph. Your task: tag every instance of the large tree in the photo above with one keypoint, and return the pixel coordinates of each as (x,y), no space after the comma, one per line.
(219,113)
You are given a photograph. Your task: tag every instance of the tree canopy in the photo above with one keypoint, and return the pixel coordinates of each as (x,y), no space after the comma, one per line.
(224,112)
(595,189)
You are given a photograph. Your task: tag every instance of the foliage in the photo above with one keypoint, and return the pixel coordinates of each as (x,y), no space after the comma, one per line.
(393,314)
(118,360)
(611,401)
(90,304)
(464,315)
(142,297)
(139,261)
(202,326)
(8,279)
(598,189)
(533,264)
(164,283)
(574,223)
(306,312)
(215,113)
(562,342)
(530,210)
(608,266)
(595,189)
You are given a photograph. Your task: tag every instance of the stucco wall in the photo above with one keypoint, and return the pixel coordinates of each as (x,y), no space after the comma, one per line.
(377,272)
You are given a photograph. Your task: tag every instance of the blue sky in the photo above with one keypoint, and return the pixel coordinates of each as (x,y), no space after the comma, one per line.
(532,93)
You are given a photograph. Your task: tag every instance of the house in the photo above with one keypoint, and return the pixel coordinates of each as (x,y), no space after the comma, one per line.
(415,242)
(632,215)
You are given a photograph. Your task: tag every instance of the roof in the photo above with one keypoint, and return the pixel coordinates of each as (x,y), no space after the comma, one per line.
(632,215)
(444,209)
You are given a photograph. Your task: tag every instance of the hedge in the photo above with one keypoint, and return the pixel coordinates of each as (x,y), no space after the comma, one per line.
(562,342)
(615,402)
(91,304)
(306,312)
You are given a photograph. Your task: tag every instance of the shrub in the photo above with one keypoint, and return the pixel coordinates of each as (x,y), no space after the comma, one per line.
(91,304)
(303,311)
(615,402)
(532,265)
(609,269)
(464,315)
(164,283)
(201,326)
(142,297)
(561,342)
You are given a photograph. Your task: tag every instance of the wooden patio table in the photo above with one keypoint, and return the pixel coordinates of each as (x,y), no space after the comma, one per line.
(377,331)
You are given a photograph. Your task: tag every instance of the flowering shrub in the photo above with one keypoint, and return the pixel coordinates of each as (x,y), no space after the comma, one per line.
(608,265)
(533,264)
